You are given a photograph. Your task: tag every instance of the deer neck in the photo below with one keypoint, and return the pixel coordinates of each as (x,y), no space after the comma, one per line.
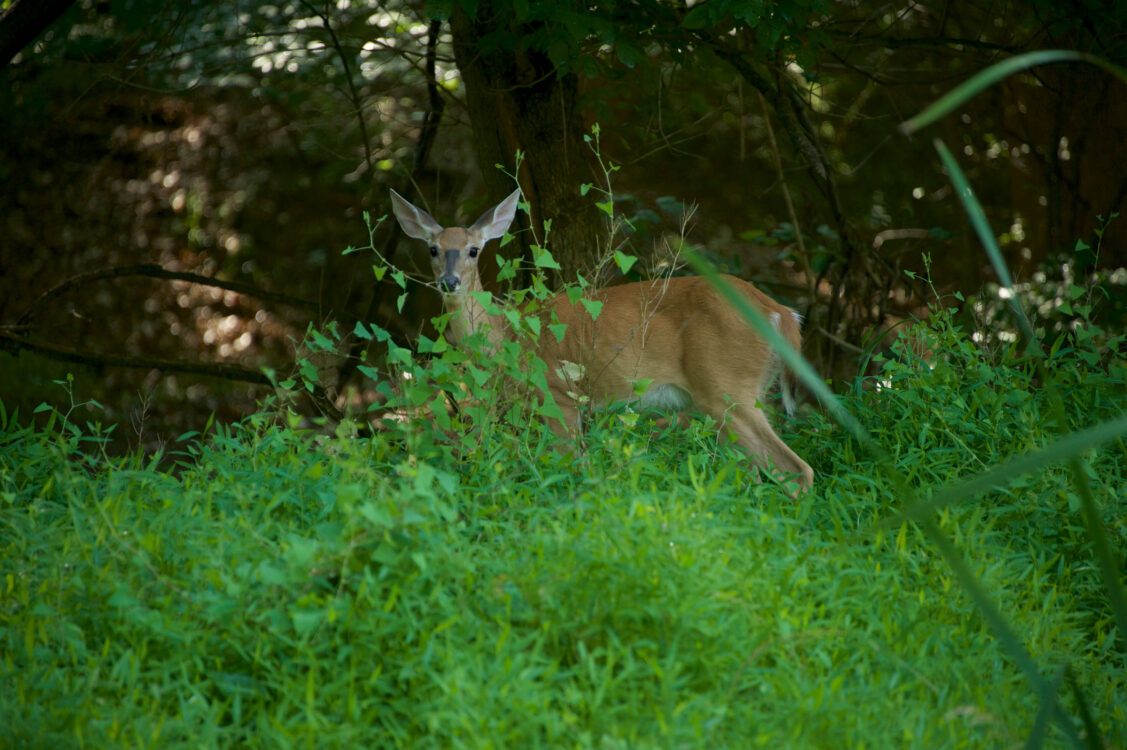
(468,315)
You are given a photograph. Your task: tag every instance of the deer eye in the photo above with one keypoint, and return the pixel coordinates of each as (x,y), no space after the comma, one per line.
(434,251)
(474,251)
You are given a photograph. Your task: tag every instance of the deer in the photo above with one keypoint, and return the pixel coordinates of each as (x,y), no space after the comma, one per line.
(676,333)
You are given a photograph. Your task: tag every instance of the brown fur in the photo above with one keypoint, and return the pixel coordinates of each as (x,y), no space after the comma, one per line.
(678,332)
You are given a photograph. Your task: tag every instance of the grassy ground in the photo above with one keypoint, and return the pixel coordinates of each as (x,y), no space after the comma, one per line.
(419,590)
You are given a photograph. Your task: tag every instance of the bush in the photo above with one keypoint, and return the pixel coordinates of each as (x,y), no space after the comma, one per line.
(412,588)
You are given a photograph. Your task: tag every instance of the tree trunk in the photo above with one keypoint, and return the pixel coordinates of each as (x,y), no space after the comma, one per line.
(516,100)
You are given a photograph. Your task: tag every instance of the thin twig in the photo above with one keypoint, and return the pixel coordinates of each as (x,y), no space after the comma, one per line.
(807,269)
(152,270)
(353,93)
(431,120)
(12,342)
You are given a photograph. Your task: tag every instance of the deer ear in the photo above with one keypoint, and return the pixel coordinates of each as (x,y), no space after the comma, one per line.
(497,220)
(415,221)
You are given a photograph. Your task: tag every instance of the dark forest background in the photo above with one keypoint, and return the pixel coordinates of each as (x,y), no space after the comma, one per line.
(179,180)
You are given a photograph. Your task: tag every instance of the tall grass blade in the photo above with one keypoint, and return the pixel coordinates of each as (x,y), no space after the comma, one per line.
(997,623)
(792,358)
(1091,729)
(982,228)
(1036,738)
(1068,449)
(1065,449)
(1109,570)
(995,73)
(1001,628)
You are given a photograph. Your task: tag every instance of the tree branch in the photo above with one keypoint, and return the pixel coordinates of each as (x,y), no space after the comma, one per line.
(791,111)
(802,140)
(776,158)
(152,270)
(435,103)
(431,120)
(13,343)
(353,93)
(927,41)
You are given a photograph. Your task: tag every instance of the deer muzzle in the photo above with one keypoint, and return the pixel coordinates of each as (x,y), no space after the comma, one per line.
(449,281)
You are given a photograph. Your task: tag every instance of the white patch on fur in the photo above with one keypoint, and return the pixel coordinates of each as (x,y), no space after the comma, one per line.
(666,397)
(788,397)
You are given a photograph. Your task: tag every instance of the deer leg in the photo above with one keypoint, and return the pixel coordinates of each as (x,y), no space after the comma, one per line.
(567,428)
(754,434)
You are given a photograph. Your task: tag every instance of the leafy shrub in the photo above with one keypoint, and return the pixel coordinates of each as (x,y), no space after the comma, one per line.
(419,588)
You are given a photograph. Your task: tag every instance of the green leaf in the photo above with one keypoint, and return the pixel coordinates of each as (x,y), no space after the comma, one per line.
(425,344)
(642,385)
(698,17)
(441,415)
(361,331)
(485,299)
(319,342)
(399,354)
(670,204)
(305,621)
(559,52)
(594,307)
(544,259)
(623,261)
(629,54)
(370,372)
(992,75)
(507,268)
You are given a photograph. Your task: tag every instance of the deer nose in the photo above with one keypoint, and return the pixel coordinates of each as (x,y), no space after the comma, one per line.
(448,282)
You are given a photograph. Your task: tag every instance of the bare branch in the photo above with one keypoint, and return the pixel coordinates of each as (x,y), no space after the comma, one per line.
(353,93)
(431,120)
(953,43)
(158,272)
(13,343)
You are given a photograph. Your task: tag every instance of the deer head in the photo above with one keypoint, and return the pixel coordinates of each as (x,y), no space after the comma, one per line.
(454,251)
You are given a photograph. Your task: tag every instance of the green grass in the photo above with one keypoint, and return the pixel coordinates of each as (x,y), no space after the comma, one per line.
(277,589)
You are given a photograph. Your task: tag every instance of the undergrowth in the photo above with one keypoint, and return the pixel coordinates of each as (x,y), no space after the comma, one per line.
(419,589)
(454,579)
